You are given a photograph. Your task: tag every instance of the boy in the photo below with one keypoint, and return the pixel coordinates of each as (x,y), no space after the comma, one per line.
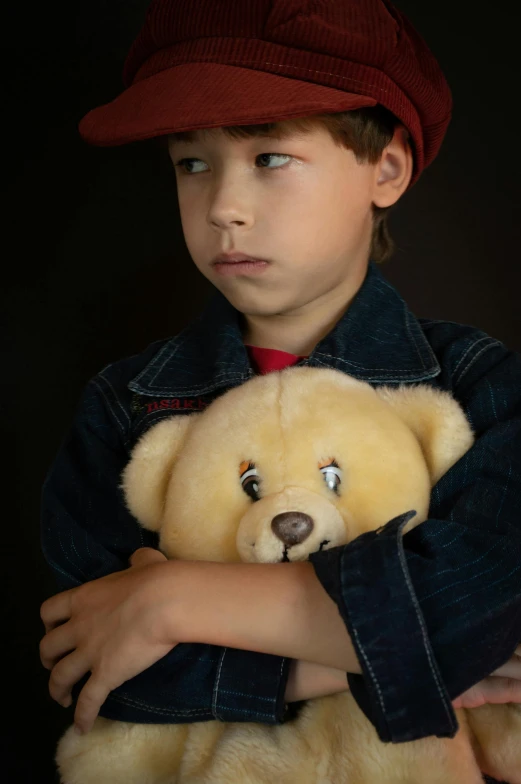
(348,99)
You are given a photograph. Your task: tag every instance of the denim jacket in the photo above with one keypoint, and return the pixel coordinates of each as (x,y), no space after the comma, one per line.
(430,612)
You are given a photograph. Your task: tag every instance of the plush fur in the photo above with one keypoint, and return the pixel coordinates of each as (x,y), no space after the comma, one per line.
(183,480)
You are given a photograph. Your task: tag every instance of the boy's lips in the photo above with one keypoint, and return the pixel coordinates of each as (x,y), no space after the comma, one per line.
(241,267)
(238,264)
(234,258)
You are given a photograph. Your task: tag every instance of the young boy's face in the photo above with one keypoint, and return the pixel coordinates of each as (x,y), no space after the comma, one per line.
(302,203)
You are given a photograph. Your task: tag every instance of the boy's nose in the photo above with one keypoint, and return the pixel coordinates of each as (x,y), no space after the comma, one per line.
(292,527)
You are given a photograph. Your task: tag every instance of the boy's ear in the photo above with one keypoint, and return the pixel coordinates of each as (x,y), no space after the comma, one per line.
(145,477)
(394,170)
(437,420)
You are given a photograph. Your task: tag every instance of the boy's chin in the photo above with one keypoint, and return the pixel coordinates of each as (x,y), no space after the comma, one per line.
(266,310)
(257,303)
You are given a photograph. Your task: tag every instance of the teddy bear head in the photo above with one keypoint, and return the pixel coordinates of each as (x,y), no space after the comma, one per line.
(290,463)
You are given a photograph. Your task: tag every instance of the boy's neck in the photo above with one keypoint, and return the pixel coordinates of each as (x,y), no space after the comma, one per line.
(298,332)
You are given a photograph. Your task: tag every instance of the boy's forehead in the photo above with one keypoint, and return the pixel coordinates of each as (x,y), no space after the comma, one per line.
(280,132)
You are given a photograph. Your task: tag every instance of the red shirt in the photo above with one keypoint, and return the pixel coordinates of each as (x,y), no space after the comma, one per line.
(267,360)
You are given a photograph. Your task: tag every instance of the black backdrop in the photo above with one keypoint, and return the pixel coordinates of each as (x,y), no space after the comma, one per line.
(95,265)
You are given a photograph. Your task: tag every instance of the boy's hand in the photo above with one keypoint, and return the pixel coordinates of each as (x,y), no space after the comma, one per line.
(115,627)
(503,685)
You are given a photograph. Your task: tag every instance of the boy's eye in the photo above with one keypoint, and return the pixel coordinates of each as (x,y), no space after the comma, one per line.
(273,155)
(188,161)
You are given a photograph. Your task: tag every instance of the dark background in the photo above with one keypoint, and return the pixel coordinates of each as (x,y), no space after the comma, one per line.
(95,266)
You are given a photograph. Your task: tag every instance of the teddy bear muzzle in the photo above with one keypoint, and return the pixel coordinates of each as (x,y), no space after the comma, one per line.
(292,527)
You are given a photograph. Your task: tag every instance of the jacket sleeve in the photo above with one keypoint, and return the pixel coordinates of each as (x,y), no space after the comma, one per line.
(87,532)
(435,611)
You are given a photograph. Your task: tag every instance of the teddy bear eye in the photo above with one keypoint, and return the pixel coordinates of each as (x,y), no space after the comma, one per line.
(250,482)
(333,476)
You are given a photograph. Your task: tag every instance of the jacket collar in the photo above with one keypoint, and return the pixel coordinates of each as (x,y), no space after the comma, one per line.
(377,340)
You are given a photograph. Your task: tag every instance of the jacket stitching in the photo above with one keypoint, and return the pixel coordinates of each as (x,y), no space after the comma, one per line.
(62,571)
(75,566)
(467,579)
(473,593)
(167,349)
(76,553)
(156,709)
(105,397)
(170,349)
(388,379)
(216,687)
(242,694)
(468,350)
(492,401)
(118,401)
(364,656)
(477,356)
(201,388)
(425,322)
(385,284)
(419,616)
(412,338)
(371,672)
(181,340)
(363,367)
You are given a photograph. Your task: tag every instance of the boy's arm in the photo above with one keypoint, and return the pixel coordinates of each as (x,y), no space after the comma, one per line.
(283,609)
(87,532)
(308,680)
(279,608)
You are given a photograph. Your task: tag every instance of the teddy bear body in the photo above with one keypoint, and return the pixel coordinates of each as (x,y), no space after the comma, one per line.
(315,748)
(275,469)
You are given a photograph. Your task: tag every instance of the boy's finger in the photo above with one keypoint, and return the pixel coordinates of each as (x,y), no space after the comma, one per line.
(146,555)
(501,690)
(90,700)
(57,609)
(511,669)
(56,644)
(492,690)
(65,674)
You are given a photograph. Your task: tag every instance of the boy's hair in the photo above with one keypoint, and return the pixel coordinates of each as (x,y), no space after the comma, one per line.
(365,131)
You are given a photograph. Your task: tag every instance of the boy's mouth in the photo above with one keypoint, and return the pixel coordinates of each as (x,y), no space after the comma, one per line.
(236,257)
(237,263)
(249,267)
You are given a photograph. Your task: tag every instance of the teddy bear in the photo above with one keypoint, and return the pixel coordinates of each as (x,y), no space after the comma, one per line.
(348,457)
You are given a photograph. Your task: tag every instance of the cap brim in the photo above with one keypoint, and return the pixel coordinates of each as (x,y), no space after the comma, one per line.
(208,95)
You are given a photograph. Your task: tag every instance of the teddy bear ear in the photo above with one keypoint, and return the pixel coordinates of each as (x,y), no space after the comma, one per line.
(437,420)
(145,477)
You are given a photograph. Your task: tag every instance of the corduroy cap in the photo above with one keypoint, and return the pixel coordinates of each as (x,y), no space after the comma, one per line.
(210,63)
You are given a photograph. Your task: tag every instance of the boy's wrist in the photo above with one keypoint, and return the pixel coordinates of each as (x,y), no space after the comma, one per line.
(308,680)
(178,595)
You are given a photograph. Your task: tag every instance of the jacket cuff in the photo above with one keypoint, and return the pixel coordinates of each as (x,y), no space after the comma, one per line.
(401,690)
(251,686)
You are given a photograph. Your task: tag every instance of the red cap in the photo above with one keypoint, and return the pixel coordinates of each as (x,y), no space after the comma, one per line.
(210,63)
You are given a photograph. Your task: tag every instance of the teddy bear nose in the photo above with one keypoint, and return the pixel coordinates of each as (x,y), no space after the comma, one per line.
(292,527)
